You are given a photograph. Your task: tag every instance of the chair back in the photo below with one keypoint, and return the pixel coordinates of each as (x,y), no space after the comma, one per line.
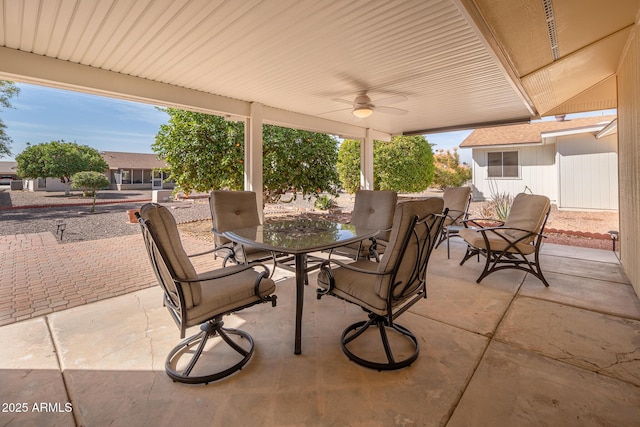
(528,212)
(168,257)
(374,210)
(231,210)
(416,226)
(457,200)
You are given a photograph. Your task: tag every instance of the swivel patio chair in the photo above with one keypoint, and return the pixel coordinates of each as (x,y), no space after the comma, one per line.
(457,201)
(233,210)
(510,243)
(373,210)
(201,299)
(387,289)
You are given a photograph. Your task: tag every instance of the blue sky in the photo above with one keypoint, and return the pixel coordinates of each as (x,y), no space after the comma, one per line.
(42,114)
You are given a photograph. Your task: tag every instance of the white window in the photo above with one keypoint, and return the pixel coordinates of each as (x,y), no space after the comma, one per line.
(503,164)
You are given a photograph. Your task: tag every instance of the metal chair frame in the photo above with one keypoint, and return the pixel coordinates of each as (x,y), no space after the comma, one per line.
(175,303)
(410,293)
(511,256)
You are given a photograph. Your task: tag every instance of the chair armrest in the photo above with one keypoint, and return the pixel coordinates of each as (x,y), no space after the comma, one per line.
(510,239)
(222,272)
(475,221)
(210,251)
(325,268)
(455,213)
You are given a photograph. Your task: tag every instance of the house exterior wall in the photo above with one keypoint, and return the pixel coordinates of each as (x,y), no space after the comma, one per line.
(587,172)
(629,157)
(537,172)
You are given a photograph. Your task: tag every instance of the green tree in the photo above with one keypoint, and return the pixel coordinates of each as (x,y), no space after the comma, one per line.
(298,161)
(204,152)
(448,170)
(405,164)
(207,153)
(7,91)
(59,159)
(90,182)
(349,165)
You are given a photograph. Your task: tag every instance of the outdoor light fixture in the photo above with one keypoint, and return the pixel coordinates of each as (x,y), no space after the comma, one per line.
(614,236)
(362,112)
(61,225)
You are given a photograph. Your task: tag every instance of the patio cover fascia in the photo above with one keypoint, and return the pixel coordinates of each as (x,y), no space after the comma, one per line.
(40,70)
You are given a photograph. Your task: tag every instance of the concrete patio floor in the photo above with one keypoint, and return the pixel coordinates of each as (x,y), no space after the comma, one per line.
(506,352)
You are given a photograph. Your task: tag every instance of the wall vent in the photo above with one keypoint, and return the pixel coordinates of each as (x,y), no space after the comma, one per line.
(551,28)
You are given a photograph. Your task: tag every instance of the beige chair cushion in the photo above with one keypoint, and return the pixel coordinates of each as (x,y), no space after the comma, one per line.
(527,213)
(405,211)
(496,243)
(168,239)
(374,210)
(368,290)
(456,199)
(232,210)
(226,293)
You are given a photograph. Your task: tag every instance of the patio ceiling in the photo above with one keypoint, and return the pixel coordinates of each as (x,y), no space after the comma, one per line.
(459,63)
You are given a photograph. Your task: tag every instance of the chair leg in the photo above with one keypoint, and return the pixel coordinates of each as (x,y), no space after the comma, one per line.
(209,329)
(357,329)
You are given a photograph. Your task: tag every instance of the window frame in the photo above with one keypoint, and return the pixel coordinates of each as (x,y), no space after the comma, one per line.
(502,165)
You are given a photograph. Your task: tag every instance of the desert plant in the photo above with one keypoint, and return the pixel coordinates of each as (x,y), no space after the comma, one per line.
(324,203)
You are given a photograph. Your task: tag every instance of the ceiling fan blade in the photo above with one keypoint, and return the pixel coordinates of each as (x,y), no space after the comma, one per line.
(390,100)
(344,101)
(390,110)
(335,111)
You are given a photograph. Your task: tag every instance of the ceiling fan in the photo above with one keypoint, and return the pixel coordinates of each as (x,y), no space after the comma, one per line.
(363,107)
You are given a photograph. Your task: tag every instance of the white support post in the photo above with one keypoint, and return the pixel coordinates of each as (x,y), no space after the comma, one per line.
(253,154)
(366,161)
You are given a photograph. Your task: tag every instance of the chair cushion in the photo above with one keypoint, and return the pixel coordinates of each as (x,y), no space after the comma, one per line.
(402,219)
(456,200)
(527,212)
(357,287)
(228,293)
(474,238)
(252,253)
(167,238)
(232,210)
(374,210)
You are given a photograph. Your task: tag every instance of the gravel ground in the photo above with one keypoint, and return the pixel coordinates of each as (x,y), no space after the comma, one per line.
(110,219)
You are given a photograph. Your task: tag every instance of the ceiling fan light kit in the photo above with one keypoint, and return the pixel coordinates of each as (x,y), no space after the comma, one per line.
(362,112)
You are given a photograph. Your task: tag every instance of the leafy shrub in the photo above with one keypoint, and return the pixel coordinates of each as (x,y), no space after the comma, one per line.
(405,164)
(448,170)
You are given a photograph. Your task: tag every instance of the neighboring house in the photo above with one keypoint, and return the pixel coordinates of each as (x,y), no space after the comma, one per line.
(127,171)
(135,171)
(8,169)
(573,162)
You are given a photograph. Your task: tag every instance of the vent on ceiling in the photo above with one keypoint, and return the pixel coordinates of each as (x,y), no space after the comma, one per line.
(551,28)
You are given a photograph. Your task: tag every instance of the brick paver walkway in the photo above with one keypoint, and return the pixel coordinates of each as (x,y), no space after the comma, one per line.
(38,275)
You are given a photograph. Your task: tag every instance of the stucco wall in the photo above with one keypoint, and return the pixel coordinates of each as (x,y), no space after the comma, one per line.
(629,155)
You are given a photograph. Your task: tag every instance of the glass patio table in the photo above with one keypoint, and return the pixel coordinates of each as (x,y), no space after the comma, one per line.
(299,237)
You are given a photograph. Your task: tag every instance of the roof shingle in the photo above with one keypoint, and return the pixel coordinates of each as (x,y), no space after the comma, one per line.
(528,133)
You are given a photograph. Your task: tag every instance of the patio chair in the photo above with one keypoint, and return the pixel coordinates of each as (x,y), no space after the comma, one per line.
(508,244)
(387,289)
(201,299)
(457,201)
(232,210)
(373,210)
